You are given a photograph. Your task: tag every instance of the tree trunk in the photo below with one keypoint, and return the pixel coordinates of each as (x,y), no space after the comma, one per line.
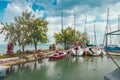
(23,48)
(35,44)
(65,45)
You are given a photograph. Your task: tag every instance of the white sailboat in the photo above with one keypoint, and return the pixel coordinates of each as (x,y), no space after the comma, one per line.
(77,51)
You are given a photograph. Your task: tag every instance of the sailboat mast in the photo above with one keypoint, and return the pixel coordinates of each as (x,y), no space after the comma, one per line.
(85,26)
(62,29)
(95,40)
(118,28)
(118,22)
(62,21)
(74,27)
(107,28)
(85,29)
(110,35)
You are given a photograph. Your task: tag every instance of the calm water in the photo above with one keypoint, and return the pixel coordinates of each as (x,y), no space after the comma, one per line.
(27,47)
(81,68)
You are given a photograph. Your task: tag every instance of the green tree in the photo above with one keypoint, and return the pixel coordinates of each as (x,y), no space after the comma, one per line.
(21,28)
(82,37)
(37,31)
(67,37)
(17,31)
(8,31)
(26,30)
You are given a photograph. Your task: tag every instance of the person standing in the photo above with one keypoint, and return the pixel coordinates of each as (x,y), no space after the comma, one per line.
(54,47)
(10,48)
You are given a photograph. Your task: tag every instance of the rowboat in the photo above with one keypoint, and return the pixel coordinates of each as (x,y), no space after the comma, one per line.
(60,55)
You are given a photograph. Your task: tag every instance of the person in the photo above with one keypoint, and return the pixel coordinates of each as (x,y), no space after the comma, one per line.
(10,48)
(80,44)
(76,43)
(40,54)
(53,47)
(57,53)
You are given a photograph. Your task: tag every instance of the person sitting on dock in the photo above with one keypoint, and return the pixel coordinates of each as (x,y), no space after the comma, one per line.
(40,54)
(76,44)
(58,53)
(54,47)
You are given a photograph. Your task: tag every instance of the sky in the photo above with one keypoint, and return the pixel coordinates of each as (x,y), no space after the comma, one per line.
(95,10)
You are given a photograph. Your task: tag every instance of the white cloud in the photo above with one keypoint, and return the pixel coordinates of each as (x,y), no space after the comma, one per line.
(12,10)
(15,9)
(54,25)
(1,25)
(38,13)
(2,39)
(1,36)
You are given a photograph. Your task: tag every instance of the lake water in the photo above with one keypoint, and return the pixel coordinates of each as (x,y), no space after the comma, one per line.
(27,47)
(72,68)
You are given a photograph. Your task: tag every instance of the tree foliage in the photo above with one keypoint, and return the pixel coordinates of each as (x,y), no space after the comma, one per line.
(27,29)
(37,31)
(68,36)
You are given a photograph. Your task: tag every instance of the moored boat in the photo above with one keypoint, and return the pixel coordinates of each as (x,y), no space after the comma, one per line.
(60,55)
(87,52)
(96,51)
(77,51)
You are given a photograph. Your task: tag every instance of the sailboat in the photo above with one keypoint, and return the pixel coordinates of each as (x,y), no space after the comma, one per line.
(113,49)
(89,50)
(95,50)
(77,50)
(114,75)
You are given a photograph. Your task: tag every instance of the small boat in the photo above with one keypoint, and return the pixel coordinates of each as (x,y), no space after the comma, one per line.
(60,55)
(96,51)
(113,50)
(78,52)
(87,52)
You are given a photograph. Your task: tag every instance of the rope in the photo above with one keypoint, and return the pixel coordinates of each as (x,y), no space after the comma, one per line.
(113,60)
(111,56)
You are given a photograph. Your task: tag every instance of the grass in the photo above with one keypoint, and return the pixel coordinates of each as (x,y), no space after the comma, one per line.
(2,56)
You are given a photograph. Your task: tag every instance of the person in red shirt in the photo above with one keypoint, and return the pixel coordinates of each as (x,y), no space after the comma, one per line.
(10,48)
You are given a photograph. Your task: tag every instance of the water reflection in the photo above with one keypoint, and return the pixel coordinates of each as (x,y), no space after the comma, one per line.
(3,73)
(71,68)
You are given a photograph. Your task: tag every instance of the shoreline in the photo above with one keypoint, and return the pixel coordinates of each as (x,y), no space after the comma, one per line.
(28,47)
(23,59)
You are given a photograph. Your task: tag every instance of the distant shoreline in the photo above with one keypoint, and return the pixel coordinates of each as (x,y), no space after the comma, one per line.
(28,47)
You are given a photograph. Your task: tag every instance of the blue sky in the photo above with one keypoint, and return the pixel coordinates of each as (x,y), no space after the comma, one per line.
(95,10)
